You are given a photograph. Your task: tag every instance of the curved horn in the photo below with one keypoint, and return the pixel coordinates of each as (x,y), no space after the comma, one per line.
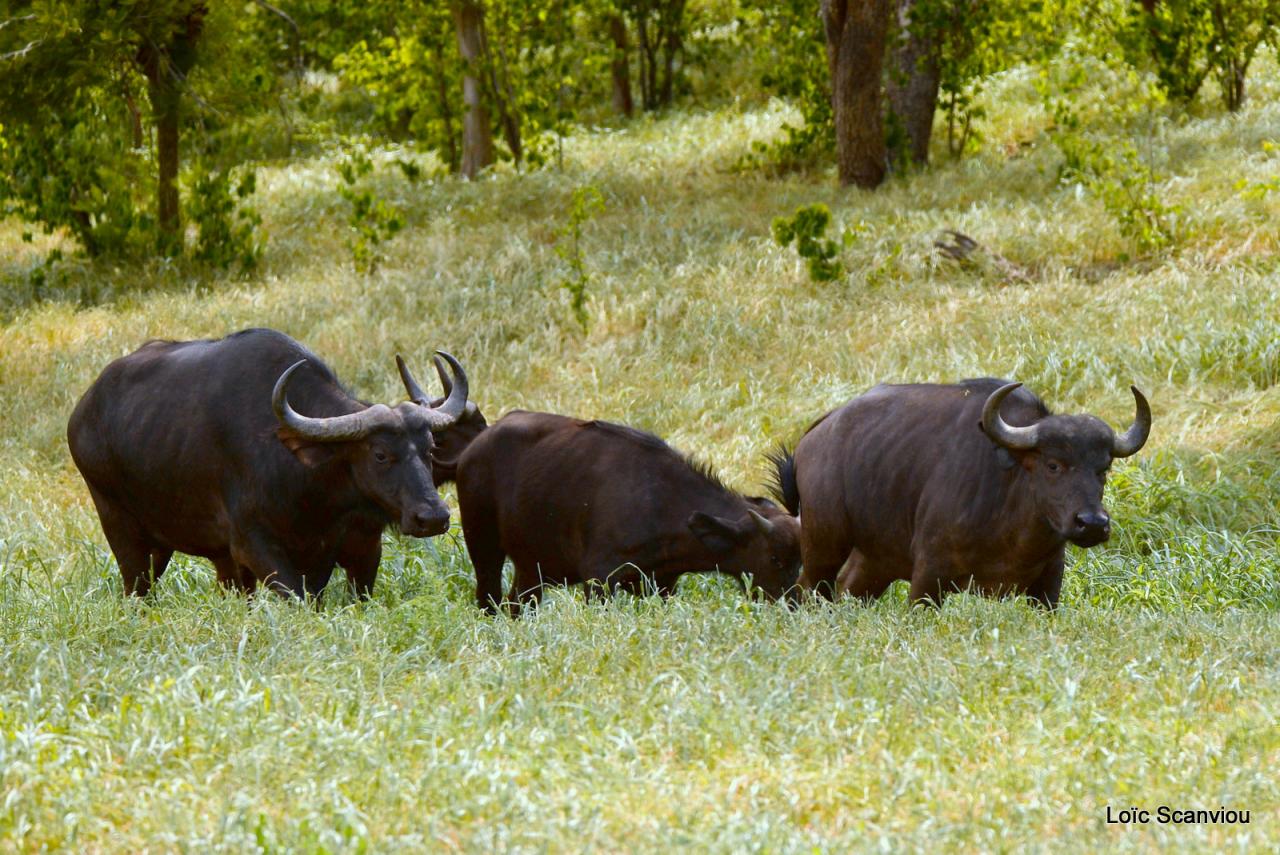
(410,385)
(455,404)
(1016,438)
(764,526)
(471,409)
(444,375)
(334,429)
(1136,436)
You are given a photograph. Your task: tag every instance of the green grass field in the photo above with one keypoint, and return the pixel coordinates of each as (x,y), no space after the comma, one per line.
(200,721)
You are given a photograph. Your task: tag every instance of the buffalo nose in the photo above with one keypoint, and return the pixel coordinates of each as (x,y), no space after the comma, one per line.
(428,523)
(1093,521)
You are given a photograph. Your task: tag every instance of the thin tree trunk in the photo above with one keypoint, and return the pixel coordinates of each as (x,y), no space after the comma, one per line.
(165,68)
(855,31)
(648,76)
(477,137)
(912,87)
(135,119)
(504,99)
(166,104)
(446,114)
(671,18)
(620,67)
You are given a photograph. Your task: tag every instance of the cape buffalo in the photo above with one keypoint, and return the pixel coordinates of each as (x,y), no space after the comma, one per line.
(453,440)
(950,485)
(592,502)
(197,447)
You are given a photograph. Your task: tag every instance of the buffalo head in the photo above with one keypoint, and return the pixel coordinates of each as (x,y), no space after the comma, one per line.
(1067,459)
(764,543)
(387,450)
(453,440)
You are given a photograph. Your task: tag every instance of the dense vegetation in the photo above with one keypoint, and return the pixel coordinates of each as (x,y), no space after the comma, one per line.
(1122,222)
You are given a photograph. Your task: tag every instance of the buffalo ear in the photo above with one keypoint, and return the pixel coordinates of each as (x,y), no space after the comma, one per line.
(715,533)
(309,452)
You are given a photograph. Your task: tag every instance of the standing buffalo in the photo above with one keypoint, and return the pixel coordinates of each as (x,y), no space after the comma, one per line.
(933,484)
(596,503)
(197,447)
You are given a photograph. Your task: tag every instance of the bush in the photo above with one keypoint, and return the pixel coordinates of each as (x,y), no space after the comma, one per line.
(807,228)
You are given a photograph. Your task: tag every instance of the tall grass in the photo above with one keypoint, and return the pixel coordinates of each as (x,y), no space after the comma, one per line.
(200,721)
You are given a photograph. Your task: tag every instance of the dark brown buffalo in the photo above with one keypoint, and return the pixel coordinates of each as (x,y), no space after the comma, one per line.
(199,447)
(591,502)
(949,486)
(453,440)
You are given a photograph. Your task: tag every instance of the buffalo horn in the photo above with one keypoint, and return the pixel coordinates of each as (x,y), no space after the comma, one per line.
(410,385)
(455,402)
(1136,436)
(762,524)
(448,385)
(1015,438)
(332,429)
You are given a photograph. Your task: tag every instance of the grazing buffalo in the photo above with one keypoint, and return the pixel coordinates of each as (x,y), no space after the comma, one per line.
(199,447)
(605,505)
(947,486)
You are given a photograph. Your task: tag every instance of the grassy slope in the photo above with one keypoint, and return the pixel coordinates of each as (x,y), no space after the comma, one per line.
(200,719)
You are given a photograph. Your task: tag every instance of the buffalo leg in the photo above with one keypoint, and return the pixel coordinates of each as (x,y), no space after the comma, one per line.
(231,575)
(1048,587)
(857,580)
(929,585)
(135,553)
(269,564)
(487,558)
(526,589)
(484,546)
(360,555)
(821,567)
(314,582)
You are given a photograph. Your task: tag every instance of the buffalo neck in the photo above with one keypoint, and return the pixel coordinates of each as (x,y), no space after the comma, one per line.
(1010,522)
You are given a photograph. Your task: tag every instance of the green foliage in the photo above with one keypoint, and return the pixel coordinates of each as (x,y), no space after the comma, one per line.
(82,87)
(370,220)
(1257,190)
(1117,175)
(793,62)
(70,168)
(226,227)
(807,229)
(1239,28)
(972,40)
(585,204)
(413,80)
(1186,41)
(976,39)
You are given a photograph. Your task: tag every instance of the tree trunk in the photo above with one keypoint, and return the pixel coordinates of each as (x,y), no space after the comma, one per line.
(671,18)
(914,76)
(166,104)
(477,137)
(620,67)
(648,62)
(855,31)
(135,119)
(446,113)
(504,99)
(166,69)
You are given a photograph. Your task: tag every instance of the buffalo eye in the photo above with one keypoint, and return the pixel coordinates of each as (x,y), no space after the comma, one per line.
(1053,466)
(381,456)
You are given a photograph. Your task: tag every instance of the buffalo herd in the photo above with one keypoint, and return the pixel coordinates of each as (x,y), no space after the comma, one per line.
(248,451)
